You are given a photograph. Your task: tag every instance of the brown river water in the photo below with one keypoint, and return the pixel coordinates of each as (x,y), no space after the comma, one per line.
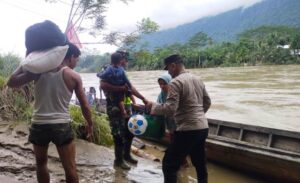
(265,96)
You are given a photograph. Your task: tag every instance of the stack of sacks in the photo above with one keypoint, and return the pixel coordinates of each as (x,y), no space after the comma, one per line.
(46,47)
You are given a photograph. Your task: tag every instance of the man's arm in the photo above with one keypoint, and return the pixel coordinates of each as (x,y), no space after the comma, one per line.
(85,108)
(105,86)
(113,88)
(169,108)
(20,77)
(206,101)
(134,90)
(132,99)
(138,95)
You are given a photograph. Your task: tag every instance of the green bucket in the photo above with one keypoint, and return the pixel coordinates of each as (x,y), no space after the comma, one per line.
(156,127)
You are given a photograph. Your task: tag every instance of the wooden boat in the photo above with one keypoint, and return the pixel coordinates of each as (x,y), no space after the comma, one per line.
(271,153)
(268,152)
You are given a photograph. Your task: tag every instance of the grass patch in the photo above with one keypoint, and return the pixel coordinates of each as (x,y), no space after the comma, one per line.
(15,104)
(102,133)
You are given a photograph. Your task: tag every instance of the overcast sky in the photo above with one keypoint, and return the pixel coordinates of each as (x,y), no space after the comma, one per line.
(17,15)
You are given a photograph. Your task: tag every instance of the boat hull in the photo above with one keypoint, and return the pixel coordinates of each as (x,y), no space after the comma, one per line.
(271,153)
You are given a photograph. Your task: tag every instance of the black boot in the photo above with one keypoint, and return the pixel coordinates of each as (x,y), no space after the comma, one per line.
(127,155)
(119,162)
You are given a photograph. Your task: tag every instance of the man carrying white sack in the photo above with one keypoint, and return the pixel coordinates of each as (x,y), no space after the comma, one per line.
(51,119)
(46,47)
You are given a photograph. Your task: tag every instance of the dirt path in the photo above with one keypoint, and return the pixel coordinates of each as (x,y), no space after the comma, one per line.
(94,163)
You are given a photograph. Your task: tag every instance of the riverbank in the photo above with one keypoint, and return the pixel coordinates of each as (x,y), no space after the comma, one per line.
(94,162)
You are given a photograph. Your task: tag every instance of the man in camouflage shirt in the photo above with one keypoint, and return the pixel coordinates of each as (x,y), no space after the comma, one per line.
(121,135)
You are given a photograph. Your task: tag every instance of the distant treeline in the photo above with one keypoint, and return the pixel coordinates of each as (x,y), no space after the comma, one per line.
(260,46)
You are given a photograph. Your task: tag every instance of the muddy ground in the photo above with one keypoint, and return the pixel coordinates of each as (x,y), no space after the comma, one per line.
(94,163)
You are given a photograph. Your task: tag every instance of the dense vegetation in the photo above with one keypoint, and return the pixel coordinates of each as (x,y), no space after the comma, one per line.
(14,104)
(260,46)
(226,26)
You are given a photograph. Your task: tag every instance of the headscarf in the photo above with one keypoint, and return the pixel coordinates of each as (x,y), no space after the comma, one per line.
(162,97)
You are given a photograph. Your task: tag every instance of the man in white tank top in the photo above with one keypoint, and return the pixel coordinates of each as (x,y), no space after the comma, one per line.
(51,118)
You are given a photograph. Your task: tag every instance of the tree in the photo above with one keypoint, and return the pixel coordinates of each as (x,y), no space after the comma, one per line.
(199,40)
(196,43)
(91,10)
(147,26)
(295,45)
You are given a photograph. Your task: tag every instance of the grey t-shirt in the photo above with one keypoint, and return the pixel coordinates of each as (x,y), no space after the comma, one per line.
(187,101)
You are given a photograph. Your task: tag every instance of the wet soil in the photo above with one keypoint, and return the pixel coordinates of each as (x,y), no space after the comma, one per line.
(94,163)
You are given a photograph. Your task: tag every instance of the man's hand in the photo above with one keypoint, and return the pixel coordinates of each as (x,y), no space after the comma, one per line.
(148,107)
(89,133)
(145,101)
(138,107)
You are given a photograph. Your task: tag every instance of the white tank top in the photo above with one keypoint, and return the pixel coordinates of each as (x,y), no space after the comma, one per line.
(52,98)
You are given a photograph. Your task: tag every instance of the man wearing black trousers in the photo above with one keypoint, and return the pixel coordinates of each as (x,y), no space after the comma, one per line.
(187,101)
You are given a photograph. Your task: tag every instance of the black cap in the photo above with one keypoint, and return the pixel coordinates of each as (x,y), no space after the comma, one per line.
(172,59)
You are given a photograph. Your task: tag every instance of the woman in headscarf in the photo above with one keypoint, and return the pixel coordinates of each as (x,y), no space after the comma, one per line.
(163,82)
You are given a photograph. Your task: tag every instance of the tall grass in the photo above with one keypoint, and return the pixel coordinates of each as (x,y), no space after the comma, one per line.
(102,134)
(15,104)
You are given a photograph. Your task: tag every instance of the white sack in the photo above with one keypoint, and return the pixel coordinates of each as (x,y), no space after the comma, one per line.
(43,61)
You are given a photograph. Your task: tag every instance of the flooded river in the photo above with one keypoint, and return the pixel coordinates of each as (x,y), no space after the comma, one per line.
(266,96)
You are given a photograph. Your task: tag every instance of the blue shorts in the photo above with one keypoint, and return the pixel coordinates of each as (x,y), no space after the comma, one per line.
(43,134)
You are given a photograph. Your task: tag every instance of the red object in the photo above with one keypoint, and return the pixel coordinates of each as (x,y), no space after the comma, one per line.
(72,35)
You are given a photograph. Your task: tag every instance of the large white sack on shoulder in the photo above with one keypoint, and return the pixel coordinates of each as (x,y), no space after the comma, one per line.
(43,61)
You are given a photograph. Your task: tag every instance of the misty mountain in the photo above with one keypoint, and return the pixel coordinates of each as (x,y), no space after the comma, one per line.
(226,26)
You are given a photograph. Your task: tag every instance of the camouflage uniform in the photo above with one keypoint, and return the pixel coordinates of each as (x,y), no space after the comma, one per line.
(117,123)
(121,135)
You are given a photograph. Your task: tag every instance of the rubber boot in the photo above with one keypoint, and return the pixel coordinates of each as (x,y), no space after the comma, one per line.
(127,155)
(119,162)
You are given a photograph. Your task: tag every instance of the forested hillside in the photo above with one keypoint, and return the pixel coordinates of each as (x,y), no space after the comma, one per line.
(226,26)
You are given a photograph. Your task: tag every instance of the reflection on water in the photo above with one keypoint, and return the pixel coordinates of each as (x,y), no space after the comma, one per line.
(216,173)
(265,95)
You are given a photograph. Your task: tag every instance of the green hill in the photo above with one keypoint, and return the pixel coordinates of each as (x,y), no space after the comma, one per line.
(226,26)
